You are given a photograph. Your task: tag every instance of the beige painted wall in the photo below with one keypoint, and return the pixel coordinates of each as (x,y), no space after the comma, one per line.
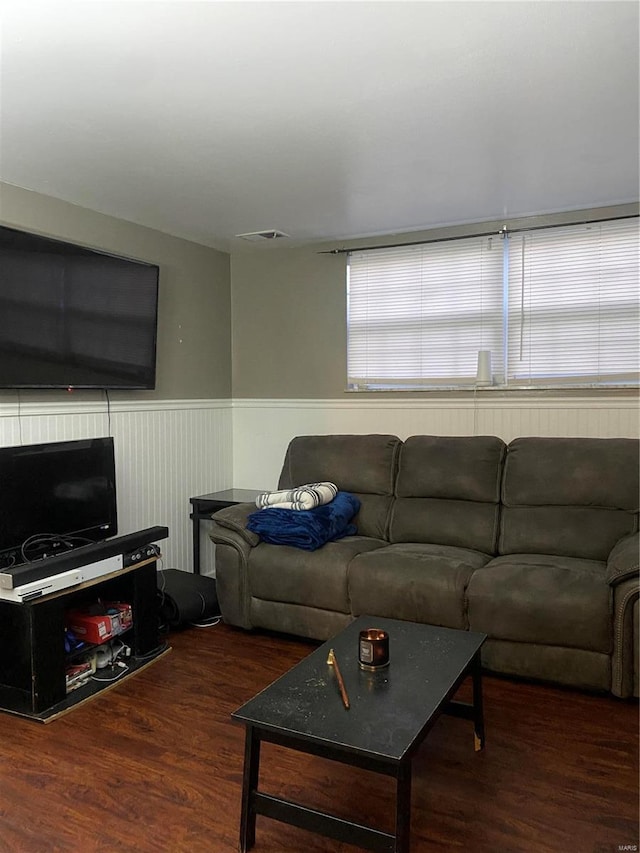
(194,315)
(289,332)
(289,311)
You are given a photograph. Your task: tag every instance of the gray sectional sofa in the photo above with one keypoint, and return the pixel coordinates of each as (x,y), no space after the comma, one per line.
(534,543)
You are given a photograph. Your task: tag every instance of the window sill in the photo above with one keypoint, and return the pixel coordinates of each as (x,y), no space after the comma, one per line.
(491,389)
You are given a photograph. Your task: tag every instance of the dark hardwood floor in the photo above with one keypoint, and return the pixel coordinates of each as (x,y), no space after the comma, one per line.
(155,766)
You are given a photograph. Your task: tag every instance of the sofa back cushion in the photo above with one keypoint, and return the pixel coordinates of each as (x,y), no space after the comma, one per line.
(448,491)
(365,465)
(573,497)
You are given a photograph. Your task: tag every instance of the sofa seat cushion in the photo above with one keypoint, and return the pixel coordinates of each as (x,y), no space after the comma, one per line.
(416,582)
(544,599)
(311,578)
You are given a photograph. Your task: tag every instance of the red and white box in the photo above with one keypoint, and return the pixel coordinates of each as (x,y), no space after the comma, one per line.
(99,627)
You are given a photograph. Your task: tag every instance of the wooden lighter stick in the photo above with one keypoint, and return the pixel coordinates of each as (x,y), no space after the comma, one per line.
(332,661)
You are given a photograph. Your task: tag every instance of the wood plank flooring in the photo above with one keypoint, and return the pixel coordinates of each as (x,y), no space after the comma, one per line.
(155,766)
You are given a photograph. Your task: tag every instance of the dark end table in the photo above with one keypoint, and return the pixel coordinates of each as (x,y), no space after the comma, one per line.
(204,505)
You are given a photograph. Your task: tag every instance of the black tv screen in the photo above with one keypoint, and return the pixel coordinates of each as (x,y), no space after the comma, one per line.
(56,496)
(74,317)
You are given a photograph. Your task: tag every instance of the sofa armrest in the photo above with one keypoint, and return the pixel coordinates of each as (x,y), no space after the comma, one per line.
(623,577)
(624,560)
(234,545)
(234,519)
(624,660)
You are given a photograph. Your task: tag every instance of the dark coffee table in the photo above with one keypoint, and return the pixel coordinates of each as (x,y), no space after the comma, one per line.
(391,713)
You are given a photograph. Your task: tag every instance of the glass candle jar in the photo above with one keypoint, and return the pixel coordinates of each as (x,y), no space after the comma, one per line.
(373,649)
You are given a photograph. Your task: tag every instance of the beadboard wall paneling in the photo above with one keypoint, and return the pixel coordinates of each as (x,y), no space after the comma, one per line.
(263,428)
(166,452)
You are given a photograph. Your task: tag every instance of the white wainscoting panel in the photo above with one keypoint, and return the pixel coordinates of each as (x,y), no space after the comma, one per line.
(263,428)
(166,452)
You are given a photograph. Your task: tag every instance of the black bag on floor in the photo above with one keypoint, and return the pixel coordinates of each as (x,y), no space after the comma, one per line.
(186,599)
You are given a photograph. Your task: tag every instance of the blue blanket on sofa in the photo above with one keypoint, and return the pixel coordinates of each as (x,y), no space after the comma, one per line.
(307,528)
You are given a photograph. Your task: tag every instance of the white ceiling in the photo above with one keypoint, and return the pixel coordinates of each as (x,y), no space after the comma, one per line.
(325,120)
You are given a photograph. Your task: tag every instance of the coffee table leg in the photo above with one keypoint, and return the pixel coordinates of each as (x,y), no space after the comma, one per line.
(478,710)
(249,786)
(403,808)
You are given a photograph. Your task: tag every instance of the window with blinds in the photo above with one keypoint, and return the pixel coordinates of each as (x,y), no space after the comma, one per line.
(555,307)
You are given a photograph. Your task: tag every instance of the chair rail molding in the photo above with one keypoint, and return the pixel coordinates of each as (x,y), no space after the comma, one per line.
(483,398)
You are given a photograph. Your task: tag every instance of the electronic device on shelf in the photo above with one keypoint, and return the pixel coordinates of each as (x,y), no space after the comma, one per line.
(74,317)
(63,580)
(58,518)
(90,561)
(55,497)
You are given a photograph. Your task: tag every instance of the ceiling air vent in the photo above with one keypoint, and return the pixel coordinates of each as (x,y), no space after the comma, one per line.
(257,236)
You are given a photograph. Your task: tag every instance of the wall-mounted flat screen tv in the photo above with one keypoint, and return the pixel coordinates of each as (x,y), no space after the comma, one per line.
(56,496)
(72,317)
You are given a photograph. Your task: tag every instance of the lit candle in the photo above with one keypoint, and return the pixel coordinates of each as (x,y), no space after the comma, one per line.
(373,648)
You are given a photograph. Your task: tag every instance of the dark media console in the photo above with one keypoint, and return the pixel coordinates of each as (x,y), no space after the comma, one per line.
(33,657)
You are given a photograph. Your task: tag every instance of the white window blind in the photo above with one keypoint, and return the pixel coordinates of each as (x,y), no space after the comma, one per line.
(556,306)
(573,305)
(417,315)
